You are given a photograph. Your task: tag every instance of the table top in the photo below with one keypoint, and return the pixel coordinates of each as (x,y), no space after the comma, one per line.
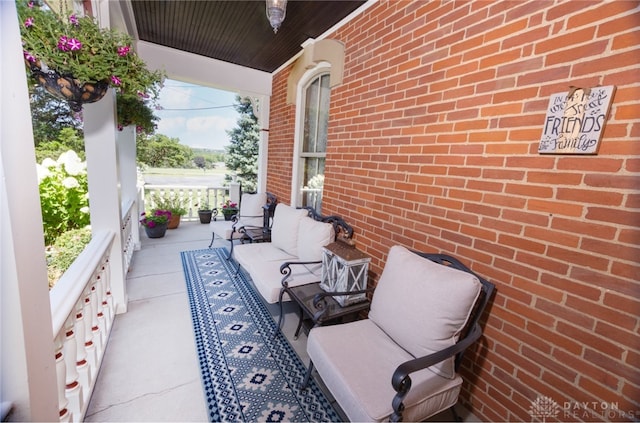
(257,234)
(304,294)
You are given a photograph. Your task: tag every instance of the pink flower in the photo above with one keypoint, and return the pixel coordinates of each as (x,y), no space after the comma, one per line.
(151,224)
(123,51)
(74,44)
(28,23)
(28,56)
(115,80)
(30,4)
(73,19)
(62,43)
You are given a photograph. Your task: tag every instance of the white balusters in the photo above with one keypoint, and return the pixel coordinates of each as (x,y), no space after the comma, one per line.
(69,353)
(82,314)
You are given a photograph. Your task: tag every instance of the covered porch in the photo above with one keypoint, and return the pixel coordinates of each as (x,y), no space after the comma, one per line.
(150,368)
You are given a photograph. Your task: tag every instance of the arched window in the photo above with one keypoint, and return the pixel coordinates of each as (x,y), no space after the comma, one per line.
(314,119)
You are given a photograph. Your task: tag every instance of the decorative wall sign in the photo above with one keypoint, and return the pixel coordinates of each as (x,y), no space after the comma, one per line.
(575,121)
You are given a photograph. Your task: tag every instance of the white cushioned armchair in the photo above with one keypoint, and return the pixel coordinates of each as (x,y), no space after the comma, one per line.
(251,214)
(402,361)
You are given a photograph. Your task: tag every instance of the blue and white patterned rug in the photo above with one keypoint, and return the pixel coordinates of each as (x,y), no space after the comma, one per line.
(249,375)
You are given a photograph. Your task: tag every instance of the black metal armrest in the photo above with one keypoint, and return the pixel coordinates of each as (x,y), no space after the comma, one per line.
(320,301)
(401,380)
(285,269)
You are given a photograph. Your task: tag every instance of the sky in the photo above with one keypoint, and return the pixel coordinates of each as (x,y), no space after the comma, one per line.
(198,116)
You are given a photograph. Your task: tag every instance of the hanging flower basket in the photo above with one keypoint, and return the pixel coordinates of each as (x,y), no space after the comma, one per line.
(78,61)
(75,92)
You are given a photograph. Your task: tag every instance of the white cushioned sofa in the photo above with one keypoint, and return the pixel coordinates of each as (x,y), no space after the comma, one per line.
(297,235)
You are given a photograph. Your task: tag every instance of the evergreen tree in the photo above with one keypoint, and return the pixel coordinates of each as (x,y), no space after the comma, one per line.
(242,153)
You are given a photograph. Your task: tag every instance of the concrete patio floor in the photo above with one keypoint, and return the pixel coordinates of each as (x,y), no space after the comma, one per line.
(150,369)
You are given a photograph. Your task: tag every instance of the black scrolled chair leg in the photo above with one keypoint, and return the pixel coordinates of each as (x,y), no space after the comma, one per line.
(456,416)
(213,237)
(297,333)
(307,376)
(281,317)
(230,250)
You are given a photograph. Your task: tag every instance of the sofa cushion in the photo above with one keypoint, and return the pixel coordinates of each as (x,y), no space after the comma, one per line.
(312,236)
(423,306)
(251,211)
(356,361)
(284,231)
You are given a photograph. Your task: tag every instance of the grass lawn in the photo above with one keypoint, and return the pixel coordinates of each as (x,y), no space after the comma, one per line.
(169,171)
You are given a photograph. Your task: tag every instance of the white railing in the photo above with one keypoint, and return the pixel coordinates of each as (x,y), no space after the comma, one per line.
(191,197)
(82,313)
(127,228)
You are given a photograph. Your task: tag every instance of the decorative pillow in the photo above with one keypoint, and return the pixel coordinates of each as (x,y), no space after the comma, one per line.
(251,212)
(423,306)
(312,236)
(284,231)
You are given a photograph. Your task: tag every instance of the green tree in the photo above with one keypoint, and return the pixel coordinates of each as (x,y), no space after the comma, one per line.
(68,139)
(161,151)
(242,153)
(50,115)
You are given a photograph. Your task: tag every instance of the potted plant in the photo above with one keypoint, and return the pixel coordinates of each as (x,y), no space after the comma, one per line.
(76,60)
(155,223)
(229,209)
(205,212)
(174,205)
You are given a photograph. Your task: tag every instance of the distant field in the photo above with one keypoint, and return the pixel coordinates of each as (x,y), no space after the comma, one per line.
(221,170)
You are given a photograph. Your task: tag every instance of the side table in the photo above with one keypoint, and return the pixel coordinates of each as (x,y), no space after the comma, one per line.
(304,296)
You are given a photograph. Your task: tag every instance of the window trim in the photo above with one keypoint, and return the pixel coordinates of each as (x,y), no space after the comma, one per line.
(297,171)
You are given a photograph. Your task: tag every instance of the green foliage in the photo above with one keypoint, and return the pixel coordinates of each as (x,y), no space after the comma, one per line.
(161,151)
(242,153)
(86,51)
(50,115)
(63,195)
(67,139)
(65,250)
(170,202)
(155,217)
(135,110)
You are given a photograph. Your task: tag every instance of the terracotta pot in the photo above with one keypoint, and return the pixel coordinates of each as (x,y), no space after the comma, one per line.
(174,222)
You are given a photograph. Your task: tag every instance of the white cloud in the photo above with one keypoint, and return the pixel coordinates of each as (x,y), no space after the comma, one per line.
(170,125)
(209,123)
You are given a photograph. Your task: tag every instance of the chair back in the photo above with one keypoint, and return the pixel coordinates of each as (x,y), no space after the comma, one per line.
(481,302)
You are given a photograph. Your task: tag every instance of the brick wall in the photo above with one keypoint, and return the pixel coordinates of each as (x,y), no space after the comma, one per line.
(433,145)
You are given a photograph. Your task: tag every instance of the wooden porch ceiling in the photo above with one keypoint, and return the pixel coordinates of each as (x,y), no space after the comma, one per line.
(237,32)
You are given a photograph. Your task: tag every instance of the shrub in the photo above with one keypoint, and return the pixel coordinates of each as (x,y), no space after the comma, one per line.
(63,195)
(64,251)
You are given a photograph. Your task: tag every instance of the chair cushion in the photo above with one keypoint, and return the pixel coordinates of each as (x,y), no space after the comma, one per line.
(251,212)
(312,236)
(284,231)
(356,361)
(423,306)
(262,262)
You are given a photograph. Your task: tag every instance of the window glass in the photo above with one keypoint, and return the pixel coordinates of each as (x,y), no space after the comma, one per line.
(314,142)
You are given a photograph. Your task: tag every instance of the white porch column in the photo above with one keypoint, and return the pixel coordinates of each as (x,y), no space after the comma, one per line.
(126,146)
(263,149)
(27,358)
(103,174)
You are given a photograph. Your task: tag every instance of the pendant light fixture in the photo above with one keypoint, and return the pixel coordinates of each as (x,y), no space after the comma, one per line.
(276,11)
